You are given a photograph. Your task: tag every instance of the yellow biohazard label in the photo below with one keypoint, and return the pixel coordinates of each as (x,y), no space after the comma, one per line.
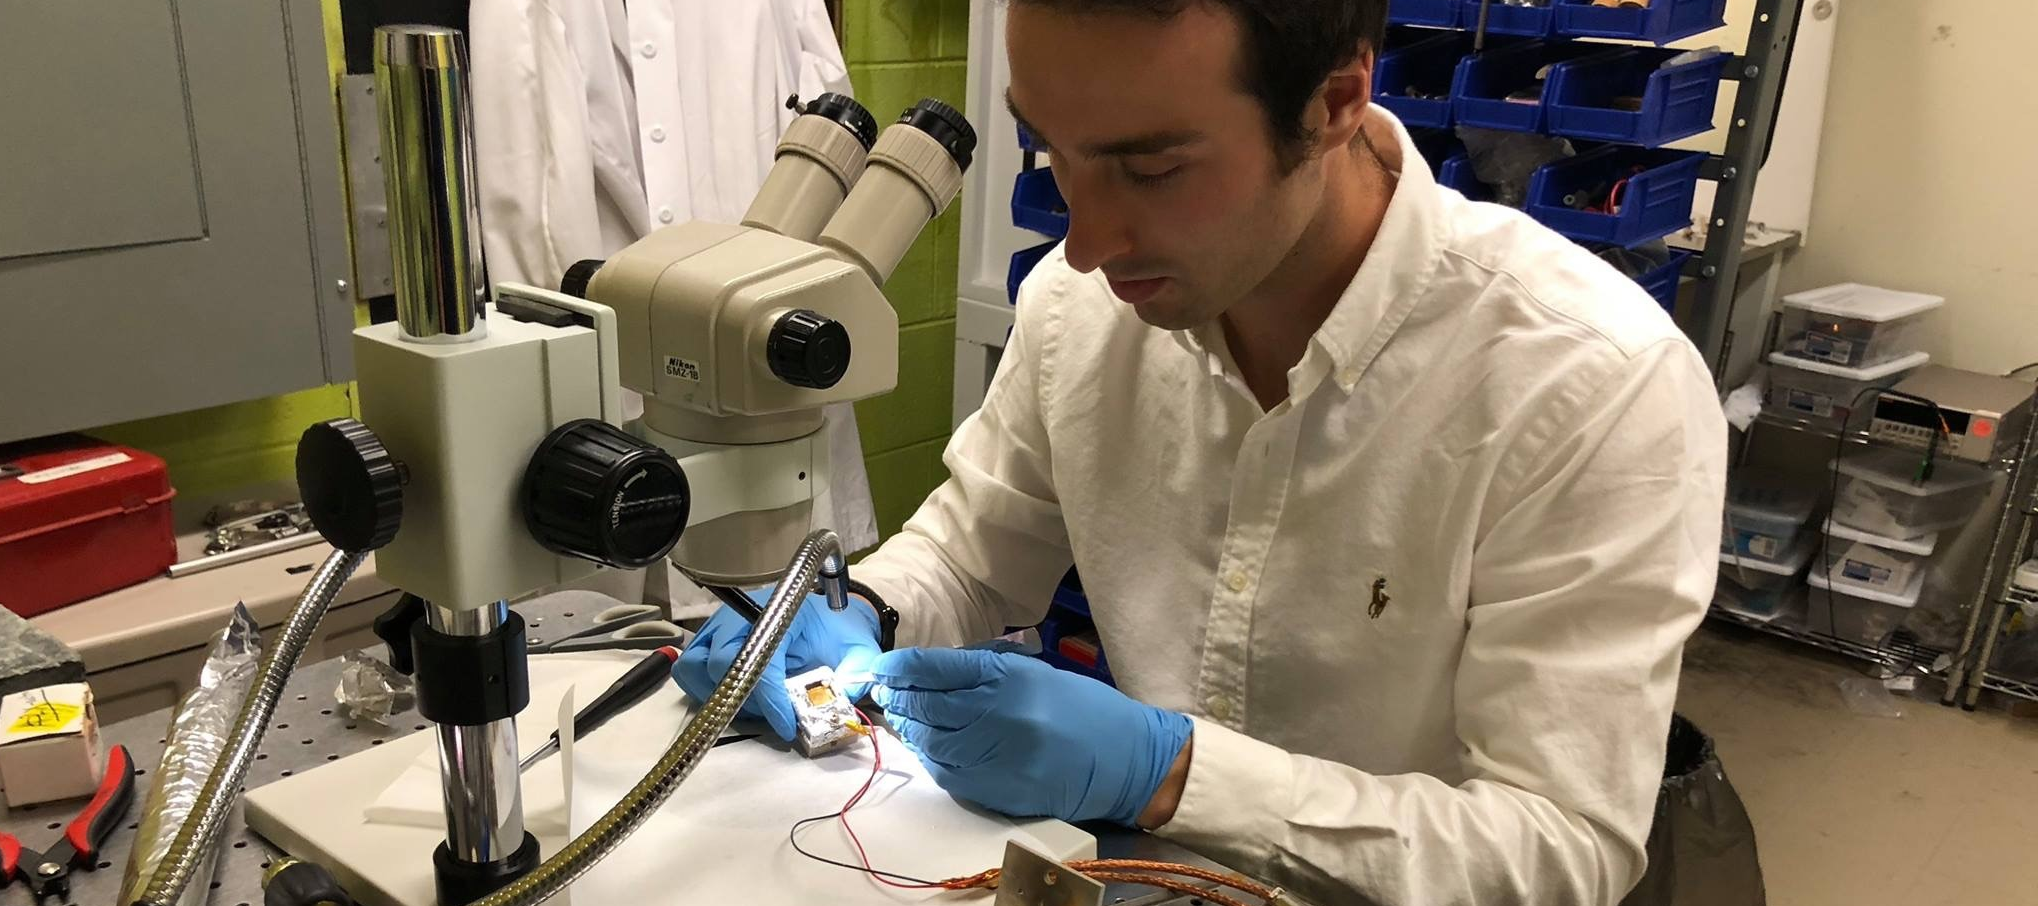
(45,716)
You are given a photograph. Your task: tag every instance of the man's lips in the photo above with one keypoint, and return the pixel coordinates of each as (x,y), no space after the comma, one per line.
(1137,291)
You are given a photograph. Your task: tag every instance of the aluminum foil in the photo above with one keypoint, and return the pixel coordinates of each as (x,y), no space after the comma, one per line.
(198,735)
(371,690)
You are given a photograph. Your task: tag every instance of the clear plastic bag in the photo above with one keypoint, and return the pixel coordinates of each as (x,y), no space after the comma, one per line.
(197,740)
(1506,160)
(371,690)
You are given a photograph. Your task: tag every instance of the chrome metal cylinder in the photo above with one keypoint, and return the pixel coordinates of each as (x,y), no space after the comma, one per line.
(422,95)
(478,764)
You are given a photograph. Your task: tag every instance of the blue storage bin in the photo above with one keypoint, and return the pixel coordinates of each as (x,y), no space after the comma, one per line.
(1661,282)
(1022,264)
(1661,22)
(1026,139)
(1675,103)
(1655,199)
(1428,65)
(1436,146)
(1037,204)
(1484,80)
(1428,13)
(1456,173)
(1502,19)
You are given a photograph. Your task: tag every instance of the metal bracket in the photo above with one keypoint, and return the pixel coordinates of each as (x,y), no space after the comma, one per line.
(1031,879)
(367,197)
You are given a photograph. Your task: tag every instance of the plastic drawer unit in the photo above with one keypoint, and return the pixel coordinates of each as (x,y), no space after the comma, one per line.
(1759,587)
(1881,492)
(1426,13)
(1412,79)
(1873,561)
(1765,515)
(1632,96)
(1037,204)
(1660,22)
(1852,324)
(1505,19)
(1503,88)
(1831,396)
(1858,613)
(1624,196)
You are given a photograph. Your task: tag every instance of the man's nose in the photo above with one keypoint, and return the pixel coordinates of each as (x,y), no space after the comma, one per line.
(1098,233)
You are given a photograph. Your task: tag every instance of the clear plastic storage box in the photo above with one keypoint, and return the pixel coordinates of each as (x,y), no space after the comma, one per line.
(1757,587)
(1765,515)
(1859,613)
(1825,395)
(1879,492)
(1872,560)
(1853,325)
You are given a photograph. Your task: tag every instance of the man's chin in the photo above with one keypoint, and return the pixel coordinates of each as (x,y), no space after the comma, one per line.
(1167,316)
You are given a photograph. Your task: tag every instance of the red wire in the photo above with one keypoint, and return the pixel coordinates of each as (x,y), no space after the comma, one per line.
(877,764)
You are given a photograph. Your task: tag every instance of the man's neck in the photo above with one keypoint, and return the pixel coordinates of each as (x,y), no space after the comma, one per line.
(1268,331)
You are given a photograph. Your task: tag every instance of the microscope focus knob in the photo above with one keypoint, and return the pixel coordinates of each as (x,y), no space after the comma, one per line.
(352,488)
(594,491)
(808,350)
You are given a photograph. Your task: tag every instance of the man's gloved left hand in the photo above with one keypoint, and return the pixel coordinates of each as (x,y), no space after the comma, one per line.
(1014,735)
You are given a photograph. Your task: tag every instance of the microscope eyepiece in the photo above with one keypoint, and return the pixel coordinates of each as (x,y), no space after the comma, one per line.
(947,126)
(845,110)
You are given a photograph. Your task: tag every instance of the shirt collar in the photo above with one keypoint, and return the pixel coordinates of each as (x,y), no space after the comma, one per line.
(1397,271)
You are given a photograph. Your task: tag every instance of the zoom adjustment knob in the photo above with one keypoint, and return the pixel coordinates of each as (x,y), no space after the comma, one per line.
(595,492)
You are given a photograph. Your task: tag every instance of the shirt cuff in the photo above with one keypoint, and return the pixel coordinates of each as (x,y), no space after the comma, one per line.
(1236,795)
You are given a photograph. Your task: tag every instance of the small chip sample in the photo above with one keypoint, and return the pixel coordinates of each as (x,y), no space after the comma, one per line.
(827,720)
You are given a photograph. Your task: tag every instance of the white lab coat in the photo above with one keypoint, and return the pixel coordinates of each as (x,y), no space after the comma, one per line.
(597,122)
(1427,612)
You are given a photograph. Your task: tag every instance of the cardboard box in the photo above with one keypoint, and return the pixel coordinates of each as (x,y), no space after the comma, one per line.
(49,744)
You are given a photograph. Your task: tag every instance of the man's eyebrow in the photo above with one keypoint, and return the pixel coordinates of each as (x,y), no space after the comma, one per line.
(1150,143)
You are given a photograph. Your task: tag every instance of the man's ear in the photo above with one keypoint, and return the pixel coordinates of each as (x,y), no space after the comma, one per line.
(1341,102)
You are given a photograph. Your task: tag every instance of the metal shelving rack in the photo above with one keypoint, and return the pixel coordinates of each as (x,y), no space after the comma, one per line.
(1761,70)
(1966,671)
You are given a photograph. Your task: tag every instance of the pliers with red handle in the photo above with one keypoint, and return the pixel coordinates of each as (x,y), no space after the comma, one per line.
(48,872)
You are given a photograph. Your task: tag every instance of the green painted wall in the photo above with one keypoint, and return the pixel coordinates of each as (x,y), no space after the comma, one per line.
(899,51)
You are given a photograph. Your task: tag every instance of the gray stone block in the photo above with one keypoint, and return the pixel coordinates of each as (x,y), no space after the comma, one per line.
(31,658)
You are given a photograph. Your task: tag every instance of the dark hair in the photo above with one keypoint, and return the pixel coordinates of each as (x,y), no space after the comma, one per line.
(1289,48)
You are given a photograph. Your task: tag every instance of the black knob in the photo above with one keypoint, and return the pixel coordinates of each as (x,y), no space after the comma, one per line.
(595,492)
(578,276)
(845,110)
(352,488)
(807,350)
(945,125)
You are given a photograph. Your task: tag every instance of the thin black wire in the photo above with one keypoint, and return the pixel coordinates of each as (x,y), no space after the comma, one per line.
(793,836)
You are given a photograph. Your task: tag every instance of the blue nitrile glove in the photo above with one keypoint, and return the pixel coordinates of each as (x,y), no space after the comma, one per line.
(1017,736)
(846,640)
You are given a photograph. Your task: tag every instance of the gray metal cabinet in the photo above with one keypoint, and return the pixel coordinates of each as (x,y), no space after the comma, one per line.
(171,218)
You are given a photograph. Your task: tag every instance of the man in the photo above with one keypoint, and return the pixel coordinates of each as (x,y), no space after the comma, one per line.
(1394,510)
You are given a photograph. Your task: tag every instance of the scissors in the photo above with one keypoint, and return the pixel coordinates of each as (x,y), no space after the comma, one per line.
(622,627)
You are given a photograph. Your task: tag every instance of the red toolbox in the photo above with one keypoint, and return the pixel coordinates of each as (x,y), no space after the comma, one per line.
(79,518)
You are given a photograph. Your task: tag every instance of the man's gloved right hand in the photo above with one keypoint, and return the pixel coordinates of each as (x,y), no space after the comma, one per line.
(845,640)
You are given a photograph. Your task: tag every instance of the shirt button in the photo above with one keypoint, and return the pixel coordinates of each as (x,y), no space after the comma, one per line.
(649,50)
(657,133)
(1220,708)
(664,215)
(1236,581)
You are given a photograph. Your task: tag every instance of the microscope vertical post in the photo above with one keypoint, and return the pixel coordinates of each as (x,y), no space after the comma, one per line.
(469,653)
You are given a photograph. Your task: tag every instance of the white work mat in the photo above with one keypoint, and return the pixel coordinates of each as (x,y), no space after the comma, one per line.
(723,832)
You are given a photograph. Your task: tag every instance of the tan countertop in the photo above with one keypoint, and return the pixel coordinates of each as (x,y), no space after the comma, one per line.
(164,615)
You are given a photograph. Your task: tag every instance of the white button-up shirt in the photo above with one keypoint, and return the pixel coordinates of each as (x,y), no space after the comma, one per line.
(1427,612)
